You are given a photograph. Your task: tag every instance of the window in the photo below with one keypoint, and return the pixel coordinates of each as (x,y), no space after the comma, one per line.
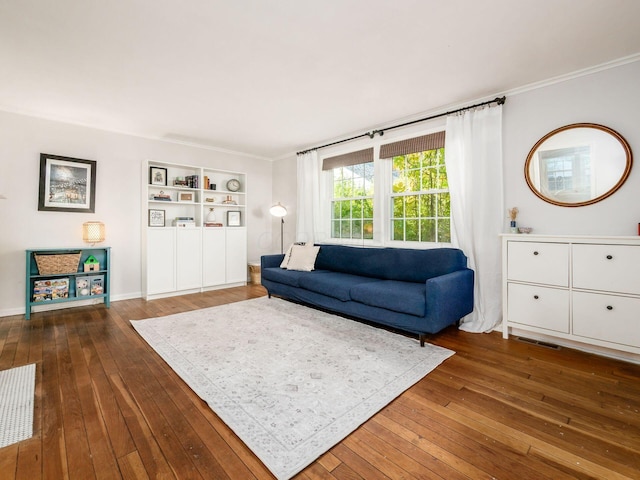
(352,203)
(420,198)
(415,207)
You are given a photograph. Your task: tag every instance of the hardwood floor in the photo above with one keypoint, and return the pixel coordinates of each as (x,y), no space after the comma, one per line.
(108,407)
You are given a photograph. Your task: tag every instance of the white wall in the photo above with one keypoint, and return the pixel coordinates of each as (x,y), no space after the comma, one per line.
(118,197)
(609,97)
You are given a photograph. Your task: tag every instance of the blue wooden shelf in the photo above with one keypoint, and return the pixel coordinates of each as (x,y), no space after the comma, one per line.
(102,255)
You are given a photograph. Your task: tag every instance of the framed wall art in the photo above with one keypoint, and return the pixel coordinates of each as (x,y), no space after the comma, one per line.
(233,218)
(157,176)
(157,218)
(66,184)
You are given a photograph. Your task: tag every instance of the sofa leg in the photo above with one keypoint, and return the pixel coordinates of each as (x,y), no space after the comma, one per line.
(422,337)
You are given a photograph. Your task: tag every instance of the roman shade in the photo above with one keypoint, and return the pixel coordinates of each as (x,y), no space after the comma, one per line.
(352,158)
(413,145)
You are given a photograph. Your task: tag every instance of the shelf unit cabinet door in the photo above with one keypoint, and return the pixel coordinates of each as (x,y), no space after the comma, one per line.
(608,318)
(236,254)
(540,307)
(161,260)
(609,268)
(545,263)
(213,256)
(188,256)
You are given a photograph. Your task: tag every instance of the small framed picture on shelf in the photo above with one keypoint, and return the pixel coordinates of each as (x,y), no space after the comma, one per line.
(157,176)
(233,218)
(186,197)
(156,218)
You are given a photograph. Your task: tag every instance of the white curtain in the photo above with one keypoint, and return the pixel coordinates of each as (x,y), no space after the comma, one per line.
(473,156)
(310,218)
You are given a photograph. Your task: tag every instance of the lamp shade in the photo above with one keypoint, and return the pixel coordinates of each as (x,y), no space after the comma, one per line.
(93,232)
(278,210)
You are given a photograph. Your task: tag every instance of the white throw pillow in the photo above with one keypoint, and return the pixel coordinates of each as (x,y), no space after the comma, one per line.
(303,258)
(287,256)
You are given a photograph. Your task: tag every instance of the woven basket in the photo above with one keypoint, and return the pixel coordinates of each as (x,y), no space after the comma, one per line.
(58,263)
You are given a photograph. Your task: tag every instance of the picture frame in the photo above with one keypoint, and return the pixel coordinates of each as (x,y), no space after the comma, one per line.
(188,197)
(67,184)
(233,218)
(157,176)
(157,218)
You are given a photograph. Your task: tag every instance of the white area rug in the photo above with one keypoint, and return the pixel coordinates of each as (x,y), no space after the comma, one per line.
(17,386)
(289,380)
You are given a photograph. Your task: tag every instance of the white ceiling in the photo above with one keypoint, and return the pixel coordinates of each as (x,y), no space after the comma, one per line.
(268,78)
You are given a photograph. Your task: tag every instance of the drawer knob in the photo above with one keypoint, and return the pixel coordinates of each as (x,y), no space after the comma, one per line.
(609,257)
(536,297)
(535,253)
(609,307)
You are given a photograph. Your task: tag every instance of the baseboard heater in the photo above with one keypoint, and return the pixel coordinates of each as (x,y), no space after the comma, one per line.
(538,342)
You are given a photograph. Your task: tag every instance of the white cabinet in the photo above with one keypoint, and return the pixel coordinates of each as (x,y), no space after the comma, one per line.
(184,249)
(236,254)
(582,289)
(188,258)
(161,261)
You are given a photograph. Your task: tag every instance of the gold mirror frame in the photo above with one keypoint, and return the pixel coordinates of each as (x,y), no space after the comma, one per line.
(533,154)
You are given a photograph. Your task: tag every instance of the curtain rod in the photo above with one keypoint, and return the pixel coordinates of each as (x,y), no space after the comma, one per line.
(371,134)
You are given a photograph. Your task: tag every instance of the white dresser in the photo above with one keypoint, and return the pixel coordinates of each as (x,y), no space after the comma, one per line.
(581,289)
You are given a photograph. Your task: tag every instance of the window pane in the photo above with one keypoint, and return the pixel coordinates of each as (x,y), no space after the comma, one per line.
(367,208)
(444,205)
(411,206)
(428,230)
(356,229)
(444,230)
(413,180)
(368,229)
(345,229)
(430,158)
(398,163)
(335,229)
(356,209)
(398,230)
(412,234)
(427,206)
(442,178)
(428,178)
(413,160)
(398,207)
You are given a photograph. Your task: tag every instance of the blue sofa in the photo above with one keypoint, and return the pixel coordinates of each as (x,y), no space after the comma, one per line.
(417,291)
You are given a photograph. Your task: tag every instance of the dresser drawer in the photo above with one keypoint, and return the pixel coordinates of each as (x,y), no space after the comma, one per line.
(540,307)
(546,263)
(609,318)
(612,268)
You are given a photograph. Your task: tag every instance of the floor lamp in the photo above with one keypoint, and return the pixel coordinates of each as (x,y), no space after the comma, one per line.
(278,210)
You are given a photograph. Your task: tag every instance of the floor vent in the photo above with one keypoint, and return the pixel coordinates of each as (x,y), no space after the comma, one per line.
(538,342)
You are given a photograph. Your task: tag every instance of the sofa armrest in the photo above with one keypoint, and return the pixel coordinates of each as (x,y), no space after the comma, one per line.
(270,261)
(450,296)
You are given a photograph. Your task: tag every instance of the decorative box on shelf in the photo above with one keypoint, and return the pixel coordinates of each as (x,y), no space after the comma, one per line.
(184,222)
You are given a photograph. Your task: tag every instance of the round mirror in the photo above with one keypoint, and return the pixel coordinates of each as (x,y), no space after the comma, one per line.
(578,164)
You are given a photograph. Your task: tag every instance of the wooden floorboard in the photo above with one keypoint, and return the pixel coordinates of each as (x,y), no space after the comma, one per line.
(108,407)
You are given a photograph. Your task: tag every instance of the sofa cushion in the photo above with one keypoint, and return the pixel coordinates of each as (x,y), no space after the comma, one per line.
(404,297)
(332,284)
(288,277)
(391,263)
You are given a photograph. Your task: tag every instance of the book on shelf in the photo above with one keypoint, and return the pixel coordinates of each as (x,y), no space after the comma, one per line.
(212,224)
